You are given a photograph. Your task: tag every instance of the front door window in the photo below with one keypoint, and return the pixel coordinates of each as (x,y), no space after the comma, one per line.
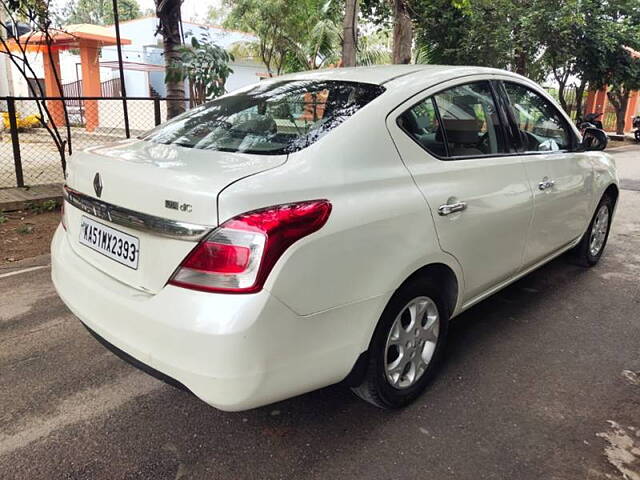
(540,126)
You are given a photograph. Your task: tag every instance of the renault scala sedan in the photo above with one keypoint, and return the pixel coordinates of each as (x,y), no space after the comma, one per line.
(325,227)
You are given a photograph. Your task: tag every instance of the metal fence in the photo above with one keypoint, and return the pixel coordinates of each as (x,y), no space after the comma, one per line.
(28,153)
(570,96)
(608,118)
(108,88)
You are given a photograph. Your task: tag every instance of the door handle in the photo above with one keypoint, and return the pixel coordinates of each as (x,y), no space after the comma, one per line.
(546,183)
(449,208)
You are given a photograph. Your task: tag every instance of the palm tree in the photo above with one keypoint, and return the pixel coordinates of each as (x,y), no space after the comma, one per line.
(168,13)
(422,55)
(350,33)
(320,48)
(373,49)
(402,31)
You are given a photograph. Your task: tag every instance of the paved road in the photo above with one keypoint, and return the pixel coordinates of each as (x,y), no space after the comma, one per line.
(541,382)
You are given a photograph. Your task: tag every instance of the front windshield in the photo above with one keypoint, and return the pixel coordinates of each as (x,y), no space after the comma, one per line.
(270,118)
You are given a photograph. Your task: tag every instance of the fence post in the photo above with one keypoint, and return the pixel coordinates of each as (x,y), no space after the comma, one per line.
(156,111)
(13,126)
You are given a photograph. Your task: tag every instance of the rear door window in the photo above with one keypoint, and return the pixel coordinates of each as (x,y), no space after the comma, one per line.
(462,121)
(421,122)
(271,118)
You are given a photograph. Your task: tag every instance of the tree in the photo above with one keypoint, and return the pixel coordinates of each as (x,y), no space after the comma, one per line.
(562,30)
(216,15)
(205,65)
(350,33)
(168,13)
(622,78)
(373,49)
(98,12)
(396,14)
(283,28)
(613,28)
(38,16)
(269,20)
(402,32)
(496,33)
(614,67)
(575,41)
(319,49)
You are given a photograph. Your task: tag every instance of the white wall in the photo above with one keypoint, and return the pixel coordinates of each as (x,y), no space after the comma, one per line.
(5,89)
(20,85)
(244,73)
(145,48)
(141,114)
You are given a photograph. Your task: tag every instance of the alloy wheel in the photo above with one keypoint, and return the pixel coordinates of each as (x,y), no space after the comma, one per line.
(599,231)
(411,342)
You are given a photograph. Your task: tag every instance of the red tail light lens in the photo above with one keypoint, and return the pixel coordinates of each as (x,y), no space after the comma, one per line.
(219,258)
(238,256)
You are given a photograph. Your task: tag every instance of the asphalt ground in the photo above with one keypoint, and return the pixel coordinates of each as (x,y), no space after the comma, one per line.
(542,381)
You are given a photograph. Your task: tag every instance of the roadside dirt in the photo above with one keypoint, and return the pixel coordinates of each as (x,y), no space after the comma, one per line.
(25,234)
(617,143)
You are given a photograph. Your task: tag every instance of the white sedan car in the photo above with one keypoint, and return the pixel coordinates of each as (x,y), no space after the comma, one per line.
(325,226)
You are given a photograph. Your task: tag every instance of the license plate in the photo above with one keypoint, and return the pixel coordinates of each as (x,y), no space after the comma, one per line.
(112,243)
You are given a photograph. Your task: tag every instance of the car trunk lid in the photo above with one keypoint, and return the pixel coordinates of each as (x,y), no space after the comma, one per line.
(138,188)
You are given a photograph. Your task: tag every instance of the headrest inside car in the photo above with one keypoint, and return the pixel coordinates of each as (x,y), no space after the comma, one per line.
(465,100)
(424,122)
(408,122)
(462,131)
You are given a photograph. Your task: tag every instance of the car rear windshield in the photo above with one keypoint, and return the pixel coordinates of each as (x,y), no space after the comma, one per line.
(270,118)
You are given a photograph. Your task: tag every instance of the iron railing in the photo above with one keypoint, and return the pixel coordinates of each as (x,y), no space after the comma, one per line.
(28,153)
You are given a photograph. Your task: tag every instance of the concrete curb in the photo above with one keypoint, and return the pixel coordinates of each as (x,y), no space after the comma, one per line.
(37,261)
(12,199)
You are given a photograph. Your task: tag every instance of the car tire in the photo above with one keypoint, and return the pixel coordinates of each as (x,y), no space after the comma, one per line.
(386,383)
(591,247)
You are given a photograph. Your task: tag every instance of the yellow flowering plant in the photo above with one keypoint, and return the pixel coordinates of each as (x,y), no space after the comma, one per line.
(23,123)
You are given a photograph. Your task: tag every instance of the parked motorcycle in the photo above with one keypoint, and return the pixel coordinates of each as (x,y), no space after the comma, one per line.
(592,131)
(636,125)
(592,120)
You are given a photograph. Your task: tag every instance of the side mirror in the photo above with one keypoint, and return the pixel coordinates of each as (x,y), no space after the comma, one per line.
(593,139)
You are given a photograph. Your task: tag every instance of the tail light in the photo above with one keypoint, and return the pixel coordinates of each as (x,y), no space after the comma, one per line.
(238,256)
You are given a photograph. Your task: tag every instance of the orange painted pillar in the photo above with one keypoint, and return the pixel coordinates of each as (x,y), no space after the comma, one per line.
(51,63)
(632,108)
(591,101)
(600,101)
(90,82)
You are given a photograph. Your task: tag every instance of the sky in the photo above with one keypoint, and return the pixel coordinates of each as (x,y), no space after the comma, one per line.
(191,9)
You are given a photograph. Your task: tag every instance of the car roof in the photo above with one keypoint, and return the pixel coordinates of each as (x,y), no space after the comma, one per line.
(385,74)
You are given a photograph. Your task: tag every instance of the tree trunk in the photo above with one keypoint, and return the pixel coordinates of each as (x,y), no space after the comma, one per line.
(168,12)
(579,98)
(619,99)
(561,97)
(350,33)
(402,32)
(520,58)
(561,77)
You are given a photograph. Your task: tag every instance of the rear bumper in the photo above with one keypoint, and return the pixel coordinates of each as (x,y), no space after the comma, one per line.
(135,362)
(233,351)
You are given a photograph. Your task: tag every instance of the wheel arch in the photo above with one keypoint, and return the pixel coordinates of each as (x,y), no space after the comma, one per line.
(443,275)
(612,191)
(449,276)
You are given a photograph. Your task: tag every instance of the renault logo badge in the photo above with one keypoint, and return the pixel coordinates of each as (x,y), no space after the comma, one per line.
(97,185)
